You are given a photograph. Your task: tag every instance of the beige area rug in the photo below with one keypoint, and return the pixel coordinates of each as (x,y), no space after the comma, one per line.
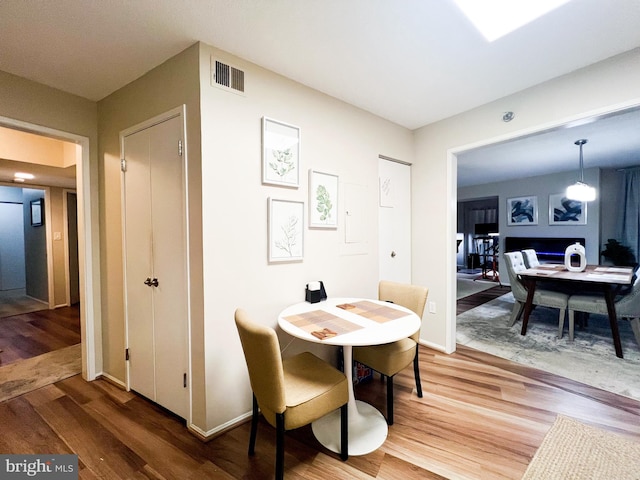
(24,376)
(469,286)
(16,302)
(572,450)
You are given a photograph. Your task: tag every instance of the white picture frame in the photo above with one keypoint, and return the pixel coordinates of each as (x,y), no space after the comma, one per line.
(323,200)
(280,153)
(522,211)
(563,211)
(286,230)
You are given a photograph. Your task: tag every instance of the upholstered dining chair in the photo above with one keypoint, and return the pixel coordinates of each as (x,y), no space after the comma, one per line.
(390,358)
(627,306)
(290,392)
(541,297)
(530,258)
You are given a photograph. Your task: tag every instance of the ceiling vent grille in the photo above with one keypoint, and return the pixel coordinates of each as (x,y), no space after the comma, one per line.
(227,77)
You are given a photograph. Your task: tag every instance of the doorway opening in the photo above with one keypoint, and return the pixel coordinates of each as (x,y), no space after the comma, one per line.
(88,244)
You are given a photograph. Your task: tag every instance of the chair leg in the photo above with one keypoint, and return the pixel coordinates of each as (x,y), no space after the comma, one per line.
(561,322)
(344,432)
(279,446)
(635,326)
(254,427)
(572,317)
(416,372)
(516,313)
(390,400)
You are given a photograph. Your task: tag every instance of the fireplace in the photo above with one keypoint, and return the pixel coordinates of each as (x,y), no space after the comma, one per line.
(549,249)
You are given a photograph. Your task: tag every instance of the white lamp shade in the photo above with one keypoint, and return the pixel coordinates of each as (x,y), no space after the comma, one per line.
(581,191)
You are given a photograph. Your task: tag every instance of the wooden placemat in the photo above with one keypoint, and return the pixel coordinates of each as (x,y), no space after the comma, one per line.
(322,324)
(373,311)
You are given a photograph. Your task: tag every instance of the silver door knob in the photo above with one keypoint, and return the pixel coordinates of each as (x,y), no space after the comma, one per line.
(393,254)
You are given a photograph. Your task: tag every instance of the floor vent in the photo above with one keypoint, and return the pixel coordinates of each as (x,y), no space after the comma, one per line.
(227,77)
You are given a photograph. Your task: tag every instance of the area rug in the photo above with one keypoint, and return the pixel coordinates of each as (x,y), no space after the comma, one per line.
(16,302)
(469,286)
(590,359)
(574,450)
(23,376)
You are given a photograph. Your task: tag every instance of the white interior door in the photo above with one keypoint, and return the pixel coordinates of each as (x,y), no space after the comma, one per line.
(156,272)
(394,221)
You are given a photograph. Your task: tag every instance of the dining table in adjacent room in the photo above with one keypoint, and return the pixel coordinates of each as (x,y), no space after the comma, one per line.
(603,278)
(349,322)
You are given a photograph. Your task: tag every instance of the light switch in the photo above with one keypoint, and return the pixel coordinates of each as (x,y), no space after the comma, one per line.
(57,236)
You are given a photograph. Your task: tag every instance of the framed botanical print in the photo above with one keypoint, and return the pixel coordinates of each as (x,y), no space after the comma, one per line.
(323,200)
(286,230)
(522,210)
(280,153)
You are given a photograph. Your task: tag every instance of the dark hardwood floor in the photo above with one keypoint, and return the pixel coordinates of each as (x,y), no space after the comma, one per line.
(481,417)
(472,301)
(30,334)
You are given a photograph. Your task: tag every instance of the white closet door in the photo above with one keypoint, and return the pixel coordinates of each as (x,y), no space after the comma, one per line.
(394,221)
(156,252)
(168,216)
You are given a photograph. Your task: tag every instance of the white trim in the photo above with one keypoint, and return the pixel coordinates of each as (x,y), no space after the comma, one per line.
(452,192)
(220,428)
(88,243)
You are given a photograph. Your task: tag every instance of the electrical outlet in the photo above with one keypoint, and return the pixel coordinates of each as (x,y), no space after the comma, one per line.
(432,307)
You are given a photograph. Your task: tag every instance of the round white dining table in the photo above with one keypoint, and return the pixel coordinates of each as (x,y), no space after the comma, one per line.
(367,426)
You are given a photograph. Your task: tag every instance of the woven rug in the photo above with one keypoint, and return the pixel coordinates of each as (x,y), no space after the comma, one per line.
(469,286)
(572,450)
(590,359)
(23,376)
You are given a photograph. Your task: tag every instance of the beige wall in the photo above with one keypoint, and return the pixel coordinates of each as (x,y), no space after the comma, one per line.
(610,84)
(57,246)
(335,138)
(167,86)
(28,147)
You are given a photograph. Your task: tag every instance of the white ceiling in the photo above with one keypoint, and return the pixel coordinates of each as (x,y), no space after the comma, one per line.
(410,61)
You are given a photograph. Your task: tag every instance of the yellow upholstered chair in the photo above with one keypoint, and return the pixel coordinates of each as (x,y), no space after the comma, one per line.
(290,392)
(391,358)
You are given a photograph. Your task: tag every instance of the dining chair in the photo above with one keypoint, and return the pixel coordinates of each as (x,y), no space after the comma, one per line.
(390,358)
(627,306)
(290,392)
(541,297)
(530,258)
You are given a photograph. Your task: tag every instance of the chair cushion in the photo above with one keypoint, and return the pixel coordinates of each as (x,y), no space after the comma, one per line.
(588,303)
(550,298)
(312,389)
(389,358)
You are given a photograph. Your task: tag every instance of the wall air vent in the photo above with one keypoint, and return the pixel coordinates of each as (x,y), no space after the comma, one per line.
(227,77)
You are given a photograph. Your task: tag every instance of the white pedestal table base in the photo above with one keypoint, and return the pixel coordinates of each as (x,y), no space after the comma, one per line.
(367,429)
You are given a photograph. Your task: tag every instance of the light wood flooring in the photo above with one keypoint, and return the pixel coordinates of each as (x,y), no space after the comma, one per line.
(481,417)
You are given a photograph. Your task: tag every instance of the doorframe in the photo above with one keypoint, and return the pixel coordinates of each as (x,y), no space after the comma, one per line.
(452,197)
(88,246)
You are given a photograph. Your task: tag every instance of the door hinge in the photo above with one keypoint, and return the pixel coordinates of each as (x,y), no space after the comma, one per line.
(179,148)
(126,354)
(184,381)
(123,165)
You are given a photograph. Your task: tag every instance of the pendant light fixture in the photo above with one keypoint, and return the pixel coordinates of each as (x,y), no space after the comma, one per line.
(581,191)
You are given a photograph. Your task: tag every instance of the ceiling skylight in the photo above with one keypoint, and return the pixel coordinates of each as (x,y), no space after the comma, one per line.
(496,18)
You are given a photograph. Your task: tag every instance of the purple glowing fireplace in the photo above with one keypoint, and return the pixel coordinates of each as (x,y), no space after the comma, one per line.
(549,249)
